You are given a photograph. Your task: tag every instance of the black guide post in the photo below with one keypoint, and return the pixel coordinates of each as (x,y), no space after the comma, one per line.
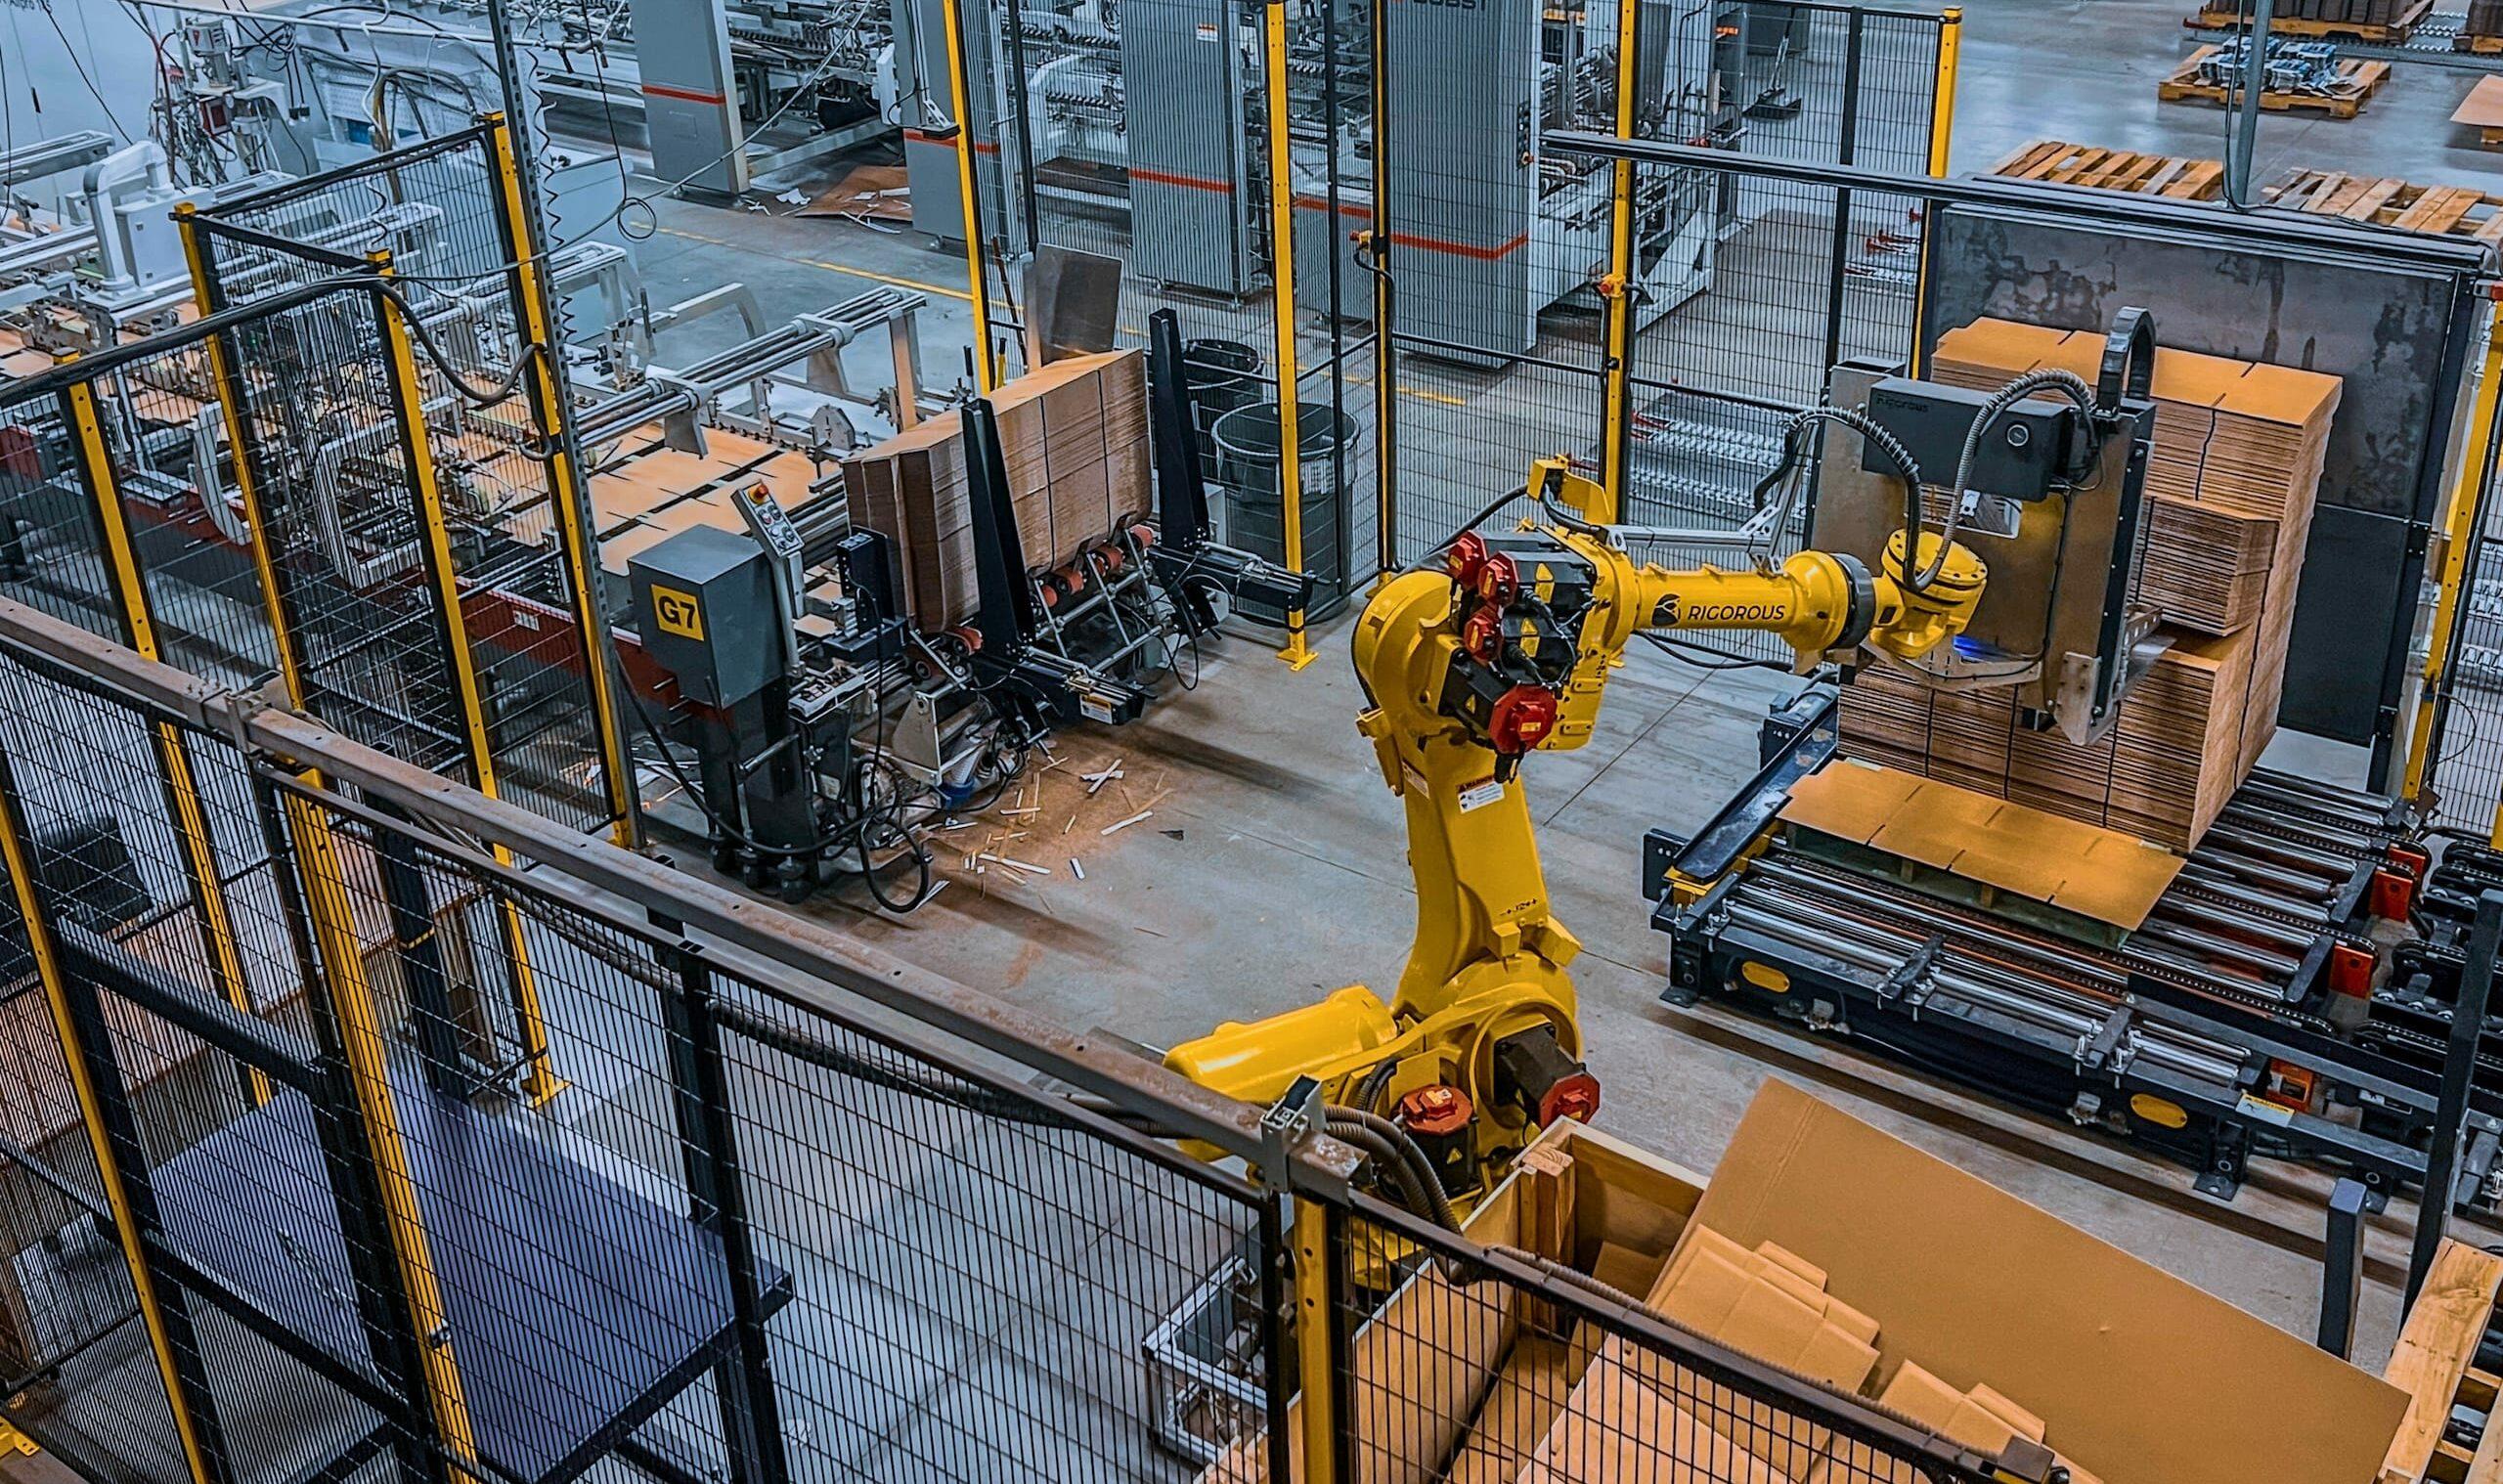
(2459,1068)
(707,1136)
(2341,1266)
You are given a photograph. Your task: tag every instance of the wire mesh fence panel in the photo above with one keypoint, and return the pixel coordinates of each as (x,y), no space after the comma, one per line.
(750,1235)
(50,556)
(978,1284)
(441,211)
(1457,1367)
(1798,277)
(748,1230)
(2467,767)
(200,1091)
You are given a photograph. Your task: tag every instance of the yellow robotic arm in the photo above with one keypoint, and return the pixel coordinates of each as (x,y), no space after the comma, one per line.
(1504,650)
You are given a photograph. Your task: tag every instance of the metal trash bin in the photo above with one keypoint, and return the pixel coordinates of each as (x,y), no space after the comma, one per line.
(1246,465)
(1221,375)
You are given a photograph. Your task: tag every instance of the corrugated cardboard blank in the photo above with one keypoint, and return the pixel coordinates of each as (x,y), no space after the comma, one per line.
(2136,1374)
(2099,873)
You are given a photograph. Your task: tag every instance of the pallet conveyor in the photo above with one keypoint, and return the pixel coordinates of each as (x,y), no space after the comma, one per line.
(2254,1012)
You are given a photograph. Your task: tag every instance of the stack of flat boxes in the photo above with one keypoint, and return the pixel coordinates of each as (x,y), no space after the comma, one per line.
(2484,18)
(1074,439)
(2351,12)
(1635,1415)
(2232,478)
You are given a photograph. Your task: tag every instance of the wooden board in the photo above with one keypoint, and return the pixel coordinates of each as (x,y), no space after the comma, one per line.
(2402,19)
(2483,111)
(2435,1363)
(2364,78)
(2057,162)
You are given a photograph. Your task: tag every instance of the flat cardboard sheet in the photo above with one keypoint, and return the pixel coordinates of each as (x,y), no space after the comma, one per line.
(2137,1375)
(2483,107)
(2083,868)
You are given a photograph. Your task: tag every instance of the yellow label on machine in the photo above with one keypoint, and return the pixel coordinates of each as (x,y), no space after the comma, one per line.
(677,612)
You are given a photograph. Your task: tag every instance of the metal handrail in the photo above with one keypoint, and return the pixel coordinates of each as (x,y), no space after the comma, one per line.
(825,960)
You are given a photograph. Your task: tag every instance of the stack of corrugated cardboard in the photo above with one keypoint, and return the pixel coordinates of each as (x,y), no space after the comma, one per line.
(1632,1407)
(1073,434)
(2231,480)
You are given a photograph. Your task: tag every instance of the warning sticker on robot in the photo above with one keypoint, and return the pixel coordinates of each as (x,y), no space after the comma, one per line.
(1478,795)
(677,612)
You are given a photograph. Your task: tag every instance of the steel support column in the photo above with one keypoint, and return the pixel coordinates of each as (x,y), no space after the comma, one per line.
(960,93)
(708,1138)
(365,1052)
(121,1161)
(176,777)
(1298,651)
(210,297)
(358,1194)
(2463,537)
(539,1080)
(566,491)
(1616,287)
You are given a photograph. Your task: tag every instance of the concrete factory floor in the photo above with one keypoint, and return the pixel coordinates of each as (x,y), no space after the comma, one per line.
(1271,870)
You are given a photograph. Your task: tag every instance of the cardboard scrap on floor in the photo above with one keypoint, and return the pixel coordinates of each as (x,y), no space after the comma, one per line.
(875,191)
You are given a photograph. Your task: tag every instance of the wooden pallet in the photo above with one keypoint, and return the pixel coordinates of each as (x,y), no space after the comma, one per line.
(2059,164)
(2385,201)
(2391,32)
(2183,86)
(2488,45)
(2435,1365)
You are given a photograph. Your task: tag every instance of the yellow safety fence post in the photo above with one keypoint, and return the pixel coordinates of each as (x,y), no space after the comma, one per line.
(2459,537)
(539,1080)
(565,491)
(230,397)
(1616,290)
(175,774)
(1315,1318)
(86,1049)
(960,92)
(1942,139)
(1386,309)
(1942,105)
(1298,651)
(333,921)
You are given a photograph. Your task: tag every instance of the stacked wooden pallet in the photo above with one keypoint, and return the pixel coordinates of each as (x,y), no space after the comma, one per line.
(2357,81)
(2386,201)
(1074,439)
(2379,21)
(2483,27)
(2232,477)
(2060,164)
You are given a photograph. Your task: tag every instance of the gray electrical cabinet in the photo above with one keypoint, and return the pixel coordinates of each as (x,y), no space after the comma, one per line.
(1464,164)
(690,96)
(704,609)
(1188,192)
(928,109)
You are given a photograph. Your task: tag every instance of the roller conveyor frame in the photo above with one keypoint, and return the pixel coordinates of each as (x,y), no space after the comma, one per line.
(2179,1038)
